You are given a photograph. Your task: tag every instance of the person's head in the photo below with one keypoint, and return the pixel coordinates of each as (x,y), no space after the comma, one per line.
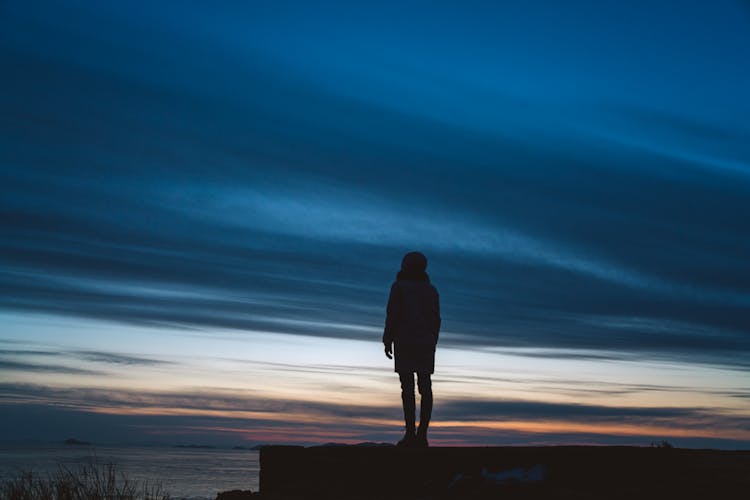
(413,267)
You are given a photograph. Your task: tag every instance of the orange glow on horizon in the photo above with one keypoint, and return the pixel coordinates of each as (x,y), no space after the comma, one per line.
(561,426)
(331,427)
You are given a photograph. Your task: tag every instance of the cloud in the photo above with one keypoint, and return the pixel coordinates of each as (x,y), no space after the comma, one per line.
(223,404)
(344,214)
(27,352)
(109,416)
(20,366)
(81,362)
(718,146)
(234,189)
(118,359)
(471,410)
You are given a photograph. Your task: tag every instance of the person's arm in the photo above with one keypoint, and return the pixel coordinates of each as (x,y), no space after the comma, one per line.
(391,319)
(438,320)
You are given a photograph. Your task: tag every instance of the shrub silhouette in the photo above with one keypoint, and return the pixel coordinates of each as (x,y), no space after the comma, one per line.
(92,481)
(662,444)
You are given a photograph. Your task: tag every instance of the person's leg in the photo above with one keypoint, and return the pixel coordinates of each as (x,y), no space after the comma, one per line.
(424,384)
(409,402)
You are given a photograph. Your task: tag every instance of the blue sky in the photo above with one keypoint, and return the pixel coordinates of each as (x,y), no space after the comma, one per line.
(208,203)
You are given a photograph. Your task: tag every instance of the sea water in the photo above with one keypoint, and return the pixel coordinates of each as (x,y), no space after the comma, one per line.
(184,473)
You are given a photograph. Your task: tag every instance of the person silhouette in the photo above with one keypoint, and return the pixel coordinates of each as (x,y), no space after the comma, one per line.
(412,326)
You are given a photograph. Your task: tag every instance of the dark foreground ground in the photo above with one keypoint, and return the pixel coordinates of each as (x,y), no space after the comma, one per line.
(350,472)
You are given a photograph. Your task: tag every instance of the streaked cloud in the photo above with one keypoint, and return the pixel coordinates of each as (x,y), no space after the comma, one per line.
(116,358)
(242,417)
(7,365)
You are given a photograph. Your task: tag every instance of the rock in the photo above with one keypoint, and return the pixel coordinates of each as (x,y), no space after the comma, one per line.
(479,473)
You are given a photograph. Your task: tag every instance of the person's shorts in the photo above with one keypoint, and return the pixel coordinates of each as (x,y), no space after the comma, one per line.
(414,358)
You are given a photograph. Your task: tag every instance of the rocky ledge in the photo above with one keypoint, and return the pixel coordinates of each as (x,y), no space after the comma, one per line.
(352,472)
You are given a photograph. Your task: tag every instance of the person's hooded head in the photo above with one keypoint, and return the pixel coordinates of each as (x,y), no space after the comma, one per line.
(413,267)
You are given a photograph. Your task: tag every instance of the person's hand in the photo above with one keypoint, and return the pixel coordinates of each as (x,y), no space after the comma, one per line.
(388,351)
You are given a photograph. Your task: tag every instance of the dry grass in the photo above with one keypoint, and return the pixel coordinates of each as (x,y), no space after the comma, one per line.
(92,481)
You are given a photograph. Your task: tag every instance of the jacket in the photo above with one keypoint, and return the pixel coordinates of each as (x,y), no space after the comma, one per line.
(413,314)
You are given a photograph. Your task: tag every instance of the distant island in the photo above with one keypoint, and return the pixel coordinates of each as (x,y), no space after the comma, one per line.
(76,442)
(257,447)
(198,446)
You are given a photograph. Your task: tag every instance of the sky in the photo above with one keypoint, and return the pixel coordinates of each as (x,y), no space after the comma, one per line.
(203,206)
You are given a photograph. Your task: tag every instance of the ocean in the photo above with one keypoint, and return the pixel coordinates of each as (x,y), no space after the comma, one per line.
(184,473)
